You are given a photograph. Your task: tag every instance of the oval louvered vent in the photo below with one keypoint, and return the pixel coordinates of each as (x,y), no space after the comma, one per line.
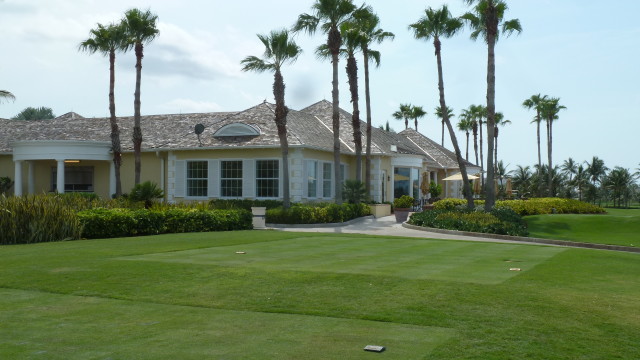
(237,129)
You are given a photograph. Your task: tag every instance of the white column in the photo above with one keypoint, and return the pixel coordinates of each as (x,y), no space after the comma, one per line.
(446,184)
(112,178)
(17,182)
(31,181)
(60,177)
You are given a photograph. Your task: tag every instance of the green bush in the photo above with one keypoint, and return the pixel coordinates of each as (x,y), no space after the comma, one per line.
(403,202)
(317,214)
(108,223)
(36,218)
(540,206)
(499,221)
(451,203)
(231,204)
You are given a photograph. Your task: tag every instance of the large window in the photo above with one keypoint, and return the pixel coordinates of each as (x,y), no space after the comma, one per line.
(231,178)
(326,179)
(406,181)
(76,179)
(267,178)
(197,178)
(312,178)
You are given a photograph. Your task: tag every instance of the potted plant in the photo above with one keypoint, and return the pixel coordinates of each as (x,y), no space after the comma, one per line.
(402,207)
(435,190)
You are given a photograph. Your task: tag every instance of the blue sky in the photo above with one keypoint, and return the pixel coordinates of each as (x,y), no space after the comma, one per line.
(578,50)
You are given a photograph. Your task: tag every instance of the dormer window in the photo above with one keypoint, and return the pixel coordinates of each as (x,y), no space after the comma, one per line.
(237,129)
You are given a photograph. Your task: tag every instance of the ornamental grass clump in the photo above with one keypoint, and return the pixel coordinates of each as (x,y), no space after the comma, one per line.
(37,218)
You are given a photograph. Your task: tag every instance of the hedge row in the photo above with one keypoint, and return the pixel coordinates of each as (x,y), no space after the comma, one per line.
(314,214)
(231,204)
(109,223)
(499,221)
(534,206)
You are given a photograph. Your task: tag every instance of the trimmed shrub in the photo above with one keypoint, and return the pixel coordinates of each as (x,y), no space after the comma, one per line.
(540,206)
(499,221)
(108,223)
(231,204)
(317,214)
(36,218)
(451,203)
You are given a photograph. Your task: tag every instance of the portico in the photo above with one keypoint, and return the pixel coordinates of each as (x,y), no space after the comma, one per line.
(63,152)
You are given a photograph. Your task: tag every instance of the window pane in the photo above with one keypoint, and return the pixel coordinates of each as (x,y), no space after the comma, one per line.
(401,182)
(415,180)
(326,179)
(231,178)
(312,178)
(267,178)
(197,178)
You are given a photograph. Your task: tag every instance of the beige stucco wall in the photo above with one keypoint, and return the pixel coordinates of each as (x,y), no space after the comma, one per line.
(149,170)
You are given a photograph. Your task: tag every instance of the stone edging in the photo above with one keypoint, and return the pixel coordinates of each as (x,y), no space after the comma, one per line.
(327,225)
(526,239)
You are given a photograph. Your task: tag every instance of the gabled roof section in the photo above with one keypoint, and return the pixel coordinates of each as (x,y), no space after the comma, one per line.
(442,156)
(70,116)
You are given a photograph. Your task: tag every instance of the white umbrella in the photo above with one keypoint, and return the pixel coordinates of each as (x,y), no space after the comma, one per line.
(458,176)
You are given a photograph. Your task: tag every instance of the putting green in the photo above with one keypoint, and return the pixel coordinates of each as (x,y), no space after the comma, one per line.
(37,325)
(472,262)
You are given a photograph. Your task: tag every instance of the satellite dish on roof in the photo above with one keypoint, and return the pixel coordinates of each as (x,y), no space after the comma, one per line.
(199,128)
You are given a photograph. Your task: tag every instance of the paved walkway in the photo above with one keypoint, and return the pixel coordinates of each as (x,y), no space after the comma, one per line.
(387,226)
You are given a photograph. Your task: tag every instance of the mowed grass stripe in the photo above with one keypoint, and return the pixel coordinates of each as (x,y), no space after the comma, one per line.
(49,326)
(482,263)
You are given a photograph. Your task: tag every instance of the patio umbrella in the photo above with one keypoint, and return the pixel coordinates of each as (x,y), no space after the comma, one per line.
(458,177)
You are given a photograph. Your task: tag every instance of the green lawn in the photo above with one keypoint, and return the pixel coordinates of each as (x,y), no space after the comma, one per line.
(315,296)
(617,227)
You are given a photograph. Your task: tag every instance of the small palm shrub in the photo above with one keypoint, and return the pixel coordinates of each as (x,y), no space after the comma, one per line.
(146,192)
(5,184)
(353,191)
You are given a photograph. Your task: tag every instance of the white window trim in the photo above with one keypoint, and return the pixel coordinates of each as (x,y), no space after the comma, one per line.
(242,179)
(255,179)
(186,179)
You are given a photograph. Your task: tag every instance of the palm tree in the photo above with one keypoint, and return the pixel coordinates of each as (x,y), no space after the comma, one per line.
(107,40)
(416,113)
(437,24)
(535,102)
(450,114)
(522,179)
(549,112)
(6,95)
(403,113)
(370,32)
(500,121)
(569,167)
(32,113)
(618,182)
(596,170)
(581,179)
(141,29)
(329,16)
(480,113)
(471,115)
(485,21)
(465,124)
(279,50)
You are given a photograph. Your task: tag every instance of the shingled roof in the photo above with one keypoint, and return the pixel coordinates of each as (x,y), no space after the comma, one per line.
(310,127)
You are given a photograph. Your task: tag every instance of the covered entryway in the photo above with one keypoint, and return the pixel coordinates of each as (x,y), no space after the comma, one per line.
(79,156)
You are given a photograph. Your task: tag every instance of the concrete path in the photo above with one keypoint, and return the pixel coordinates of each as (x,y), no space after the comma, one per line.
(387,226)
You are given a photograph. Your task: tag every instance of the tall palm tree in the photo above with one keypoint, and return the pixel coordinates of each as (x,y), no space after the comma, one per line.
(141,29)
(535,102)
(370,32)
(500,121)
(569,167)
(437,24)
(549,112)
(618,182)
(416,113)
(107,40)
(485,21)
(403,113)
(439,114)
(280,49)
(329,16)
(6,95)
(521,178)
(597,171)
(480,114)
(465,124)
(471,115)
(581,179)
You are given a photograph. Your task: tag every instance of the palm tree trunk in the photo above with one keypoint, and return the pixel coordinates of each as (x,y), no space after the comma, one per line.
(367,98)
(549,149)
(467,154)
(539,158)
(492,30)
(137,131)
(281,123)
(475,140)
(352,74)
(495,148)
(334,42)
(481,155)
(445,118)
(115,131)
(442,142)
